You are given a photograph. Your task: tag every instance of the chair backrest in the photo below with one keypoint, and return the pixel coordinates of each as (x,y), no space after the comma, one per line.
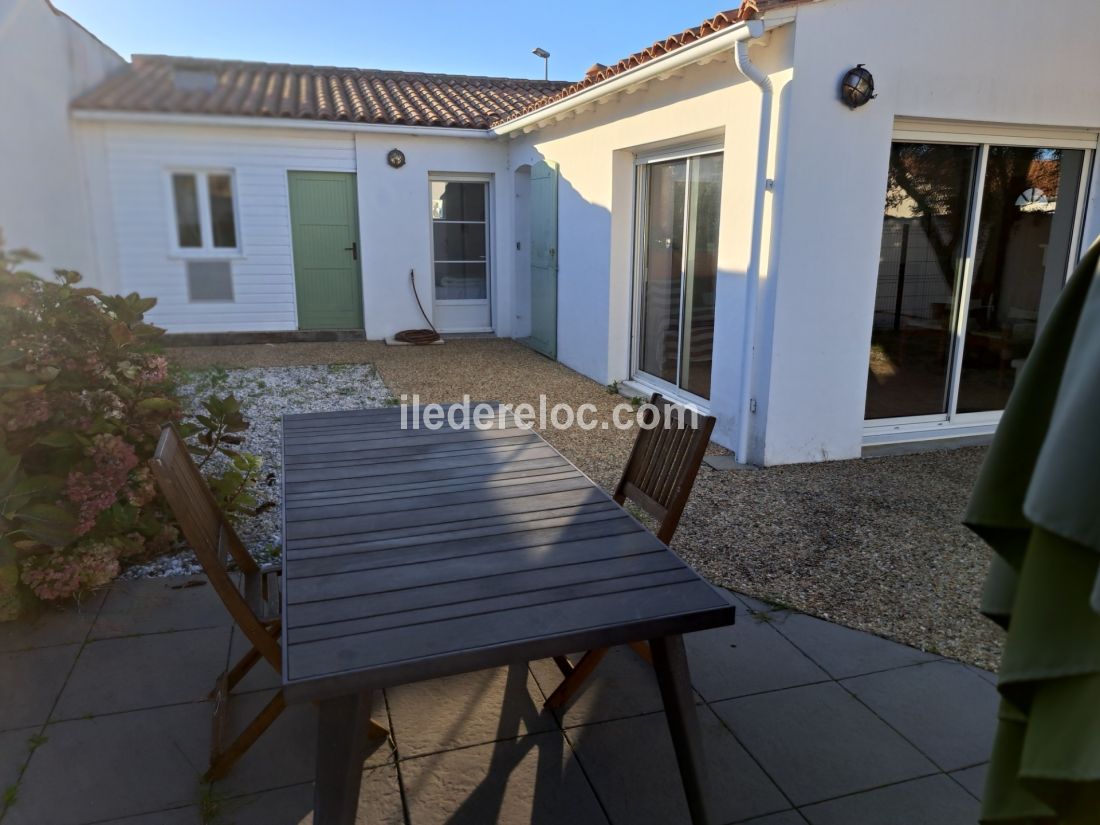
(664,462)
(211,536)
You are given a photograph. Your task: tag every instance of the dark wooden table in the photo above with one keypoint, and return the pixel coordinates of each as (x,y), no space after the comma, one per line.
(412,554)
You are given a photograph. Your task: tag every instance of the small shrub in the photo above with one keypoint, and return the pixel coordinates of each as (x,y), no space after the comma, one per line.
(233,475)
(84,391)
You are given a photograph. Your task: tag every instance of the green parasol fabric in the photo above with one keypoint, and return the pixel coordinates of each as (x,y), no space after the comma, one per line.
(1037,503)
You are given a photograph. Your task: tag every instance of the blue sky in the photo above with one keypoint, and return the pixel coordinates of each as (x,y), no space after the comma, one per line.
(489,37)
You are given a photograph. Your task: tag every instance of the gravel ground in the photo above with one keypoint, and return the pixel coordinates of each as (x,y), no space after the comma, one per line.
(874,544)
(266,393)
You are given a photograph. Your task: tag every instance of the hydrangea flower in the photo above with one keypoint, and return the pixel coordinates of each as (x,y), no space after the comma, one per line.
(95,491)
(54,576)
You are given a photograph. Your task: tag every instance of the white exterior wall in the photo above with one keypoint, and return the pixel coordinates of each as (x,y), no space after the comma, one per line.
(595,152)
(978,61)
(43,203)
(135,159)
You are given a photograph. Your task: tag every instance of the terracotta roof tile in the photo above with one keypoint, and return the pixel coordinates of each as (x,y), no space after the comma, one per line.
(365,95)
(598,73)
(236,88)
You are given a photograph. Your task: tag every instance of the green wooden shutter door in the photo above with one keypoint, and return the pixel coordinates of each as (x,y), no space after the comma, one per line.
(324,226)
(544,258)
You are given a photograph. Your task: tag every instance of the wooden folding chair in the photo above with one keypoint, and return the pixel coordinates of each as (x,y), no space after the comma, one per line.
(255,604)
(658,477)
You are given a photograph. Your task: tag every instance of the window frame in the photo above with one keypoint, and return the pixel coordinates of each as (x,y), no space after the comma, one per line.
(983,137)
(640,229)
(487,182)
(206,249)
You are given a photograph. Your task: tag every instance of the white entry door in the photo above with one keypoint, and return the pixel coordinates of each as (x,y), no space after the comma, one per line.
(460,255)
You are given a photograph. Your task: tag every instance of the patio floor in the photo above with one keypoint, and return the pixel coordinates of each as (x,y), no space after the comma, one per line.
(804,722)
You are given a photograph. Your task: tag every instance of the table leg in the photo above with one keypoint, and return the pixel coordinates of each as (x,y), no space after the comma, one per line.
(342,731)
(670,662)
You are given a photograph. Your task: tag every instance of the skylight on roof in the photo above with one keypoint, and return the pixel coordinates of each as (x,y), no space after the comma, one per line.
(191,79)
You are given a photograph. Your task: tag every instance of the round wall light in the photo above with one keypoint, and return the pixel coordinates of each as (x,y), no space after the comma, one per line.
(857,87)
(395,158)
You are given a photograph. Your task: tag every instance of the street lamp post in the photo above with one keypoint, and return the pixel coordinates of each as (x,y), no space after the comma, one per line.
(545,55)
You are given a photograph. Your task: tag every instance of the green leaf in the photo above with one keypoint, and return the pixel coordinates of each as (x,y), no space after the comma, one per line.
(120,334)
(24,492)
(8,552)
(157,404)
(47,523)
(9,355)
(18,378)
(59,439)
(9,471)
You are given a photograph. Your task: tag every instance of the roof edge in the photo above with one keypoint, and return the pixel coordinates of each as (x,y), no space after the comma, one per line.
(683,56)
(221,62)
(268,122)
(59,13)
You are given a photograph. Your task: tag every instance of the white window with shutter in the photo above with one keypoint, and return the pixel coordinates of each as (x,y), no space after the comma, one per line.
(203,209)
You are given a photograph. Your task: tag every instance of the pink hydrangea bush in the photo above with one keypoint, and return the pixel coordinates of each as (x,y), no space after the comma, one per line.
(71,573)
(83,394)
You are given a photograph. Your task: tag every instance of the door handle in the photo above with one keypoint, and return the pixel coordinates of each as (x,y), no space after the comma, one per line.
(354,250)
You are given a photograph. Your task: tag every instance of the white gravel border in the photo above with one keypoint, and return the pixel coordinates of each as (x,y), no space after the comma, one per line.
(266,394)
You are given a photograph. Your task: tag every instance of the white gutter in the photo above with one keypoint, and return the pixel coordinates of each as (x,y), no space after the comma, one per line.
(763,155)
(709,46)
(174,119)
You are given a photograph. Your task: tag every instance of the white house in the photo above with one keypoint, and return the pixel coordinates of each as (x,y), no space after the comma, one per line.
(46,60)
(706,217)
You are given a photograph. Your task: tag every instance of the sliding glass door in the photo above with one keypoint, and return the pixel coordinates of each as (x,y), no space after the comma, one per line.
(676,270)
(977,241)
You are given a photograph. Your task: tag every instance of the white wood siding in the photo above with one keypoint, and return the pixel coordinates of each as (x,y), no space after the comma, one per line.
(138,159)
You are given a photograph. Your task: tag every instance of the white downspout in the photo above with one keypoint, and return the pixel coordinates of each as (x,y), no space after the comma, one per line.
(763,157)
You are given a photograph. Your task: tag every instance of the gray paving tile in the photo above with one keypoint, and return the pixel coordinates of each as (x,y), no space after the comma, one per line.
(159,605)
(534,780)
(14,751)
(747,657)
(622,685)
(783,818)
(933,800)
(135,672)
(818,742)
(114,766)
(941,707)
(261,677)
(973,779)
(189,815)
(471,709)
(286,753)
(33,679)
(754,605)
(47,625)
(632,766)
(379,803)
(988,675)
(844,652)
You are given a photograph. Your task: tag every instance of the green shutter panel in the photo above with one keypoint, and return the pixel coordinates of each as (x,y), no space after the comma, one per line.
(544,258)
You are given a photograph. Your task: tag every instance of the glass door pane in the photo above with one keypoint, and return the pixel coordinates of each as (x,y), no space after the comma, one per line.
(460,251)
(923,245)
(1024,242)
(662,259)
(701,270)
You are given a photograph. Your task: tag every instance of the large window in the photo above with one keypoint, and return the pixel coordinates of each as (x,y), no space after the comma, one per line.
(677,268)
(977,241)
(204,212)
